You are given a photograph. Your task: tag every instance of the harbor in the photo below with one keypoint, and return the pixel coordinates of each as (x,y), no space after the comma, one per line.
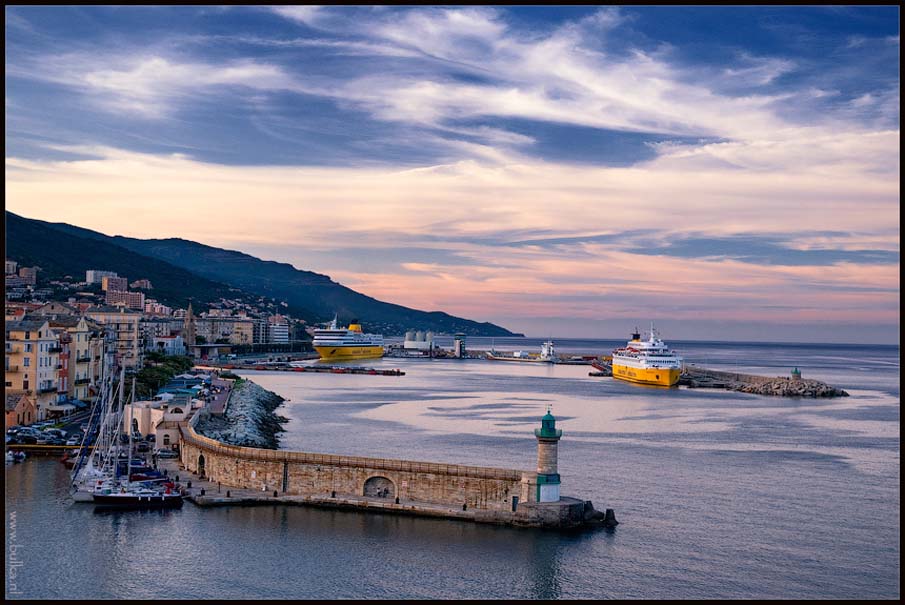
(618,439)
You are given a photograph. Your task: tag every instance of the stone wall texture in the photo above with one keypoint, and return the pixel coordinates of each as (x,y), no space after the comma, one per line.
(309,474)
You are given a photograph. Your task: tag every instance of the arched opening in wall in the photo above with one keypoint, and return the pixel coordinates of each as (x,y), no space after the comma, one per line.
(201,465)
(379,487)
(134,425)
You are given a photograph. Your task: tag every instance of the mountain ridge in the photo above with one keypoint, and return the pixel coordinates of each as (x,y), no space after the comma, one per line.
(314,296)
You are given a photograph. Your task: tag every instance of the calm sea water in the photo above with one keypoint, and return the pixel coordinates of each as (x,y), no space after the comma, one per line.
(719,495)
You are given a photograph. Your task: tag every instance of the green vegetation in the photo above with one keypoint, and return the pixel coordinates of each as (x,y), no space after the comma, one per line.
(159,369)
(230,376)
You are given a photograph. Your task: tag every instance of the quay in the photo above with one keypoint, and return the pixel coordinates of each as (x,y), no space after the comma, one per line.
(213,473)
(285,367)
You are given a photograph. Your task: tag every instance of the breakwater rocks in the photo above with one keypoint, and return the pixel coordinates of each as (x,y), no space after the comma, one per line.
(758,385)
(249,419)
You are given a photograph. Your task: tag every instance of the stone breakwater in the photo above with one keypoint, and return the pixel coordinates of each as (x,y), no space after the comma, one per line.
(249,419)
(759,385)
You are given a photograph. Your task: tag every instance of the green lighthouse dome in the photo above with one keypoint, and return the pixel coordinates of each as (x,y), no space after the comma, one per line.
(548,427)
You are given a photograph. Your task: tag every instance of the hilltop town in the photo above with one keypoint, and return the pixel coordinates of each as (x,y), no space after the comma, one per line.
(63,336)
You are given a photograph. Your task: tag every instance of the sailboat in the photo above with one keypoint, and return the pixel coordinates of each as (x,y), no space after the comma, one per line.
(134,494)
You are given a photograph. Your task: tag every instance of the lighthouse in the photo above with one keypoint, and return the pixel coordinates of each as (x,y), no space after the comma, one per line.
(548,437)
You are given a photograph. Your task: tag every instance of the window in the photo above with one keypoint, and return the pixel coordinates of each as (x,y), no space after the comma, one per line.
(26,362)
(28,336)
(28,347)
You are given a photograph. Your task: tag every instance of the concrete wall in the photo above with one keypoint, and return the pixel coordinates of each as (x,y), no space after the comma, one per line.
(307,474)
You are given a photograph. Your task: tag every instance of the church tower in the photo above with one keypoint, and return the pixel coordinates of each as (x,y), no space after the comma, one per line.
(189,329)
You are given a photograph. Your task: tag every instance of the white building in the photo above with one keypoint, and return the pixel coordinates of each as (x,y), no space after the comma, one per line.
(95,276)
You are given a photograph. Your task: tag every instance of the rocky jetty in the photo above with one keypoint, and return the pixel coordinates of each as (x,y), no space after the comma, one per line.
(759,385)
(249,419)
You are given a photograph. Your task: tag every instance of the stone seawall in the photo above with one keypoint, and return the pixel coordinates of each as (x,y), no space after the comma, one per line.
(482,494)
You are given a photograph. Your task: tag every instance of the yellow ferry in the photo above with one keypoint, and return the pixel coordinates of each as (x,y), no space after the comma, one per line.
(340,344)
(647,362)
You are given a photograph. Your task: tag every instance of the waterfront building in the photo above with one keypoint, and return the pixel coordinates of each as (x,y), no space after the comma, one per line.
(94,276)
(125,326)
(11,267)
(277,330)
(32,356)
(20,409)
(109,282)
(143,284)
(86,352)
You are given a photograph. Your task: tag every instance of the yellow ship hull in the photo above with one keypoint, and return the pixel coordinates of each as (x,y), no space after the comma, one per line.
(659,377)
(334,353)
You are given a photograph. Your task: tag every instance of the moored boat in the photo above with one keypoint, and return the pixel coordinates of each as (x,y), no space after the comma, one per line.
(547,355)
(338,344)
(647,361)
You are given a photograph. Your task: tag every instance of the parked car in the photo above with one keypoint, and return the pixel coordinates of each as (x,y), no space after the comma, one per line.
(152,438)
(143,447)
(56,441)
(166,453)
(26,439)
(73,441)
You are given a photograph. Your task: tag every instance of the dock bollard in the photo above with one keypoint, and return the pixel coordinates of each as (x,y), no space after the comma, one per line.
(227,493)
(465,506)
(333,494)
(274,493)
(397,499)
(202,491)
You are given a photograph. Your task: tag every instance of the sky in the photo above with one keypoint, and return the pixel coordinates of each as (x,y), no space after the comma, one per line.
(731,173)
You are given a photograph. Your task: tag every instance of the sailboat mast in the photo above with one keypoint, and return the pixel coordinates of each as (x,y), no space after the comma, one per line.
(131,416)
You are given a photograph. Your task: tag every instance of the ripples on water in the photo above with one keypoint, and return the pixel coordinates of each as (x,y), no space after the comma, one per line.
(720,495)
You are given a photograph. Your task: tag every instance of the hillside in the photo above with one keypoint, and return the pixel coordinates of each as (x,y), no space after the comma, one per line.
(61,254)
(318,295)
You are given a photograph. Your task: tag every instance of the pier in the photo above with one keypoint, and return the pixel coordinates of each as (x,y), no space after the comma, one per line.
(213,473)
(778,386)
(285,367)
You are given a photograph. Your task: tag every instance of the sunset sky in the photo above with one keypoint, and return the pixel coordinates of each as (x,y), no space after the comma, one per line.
(731,173)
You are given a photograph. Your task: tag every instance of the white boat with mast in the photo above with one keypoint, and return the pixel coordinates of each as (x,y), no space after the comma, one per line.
(129,494)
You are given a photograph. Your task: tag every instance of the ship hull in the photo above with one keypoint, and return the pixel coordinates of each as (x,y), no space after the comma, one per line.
(338,353)
(665,377)
(135,501)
